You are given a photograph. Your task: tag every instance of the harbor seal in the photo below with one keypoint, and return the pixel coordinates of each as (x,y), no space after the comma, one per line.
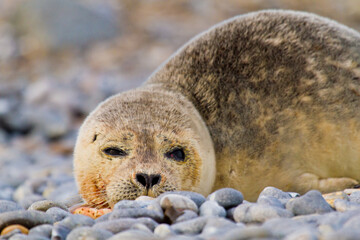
(269,98)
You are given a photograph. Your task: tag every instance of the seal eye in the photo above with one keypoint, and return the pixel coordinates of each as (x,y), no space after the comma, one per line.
(115,152)
(177,154)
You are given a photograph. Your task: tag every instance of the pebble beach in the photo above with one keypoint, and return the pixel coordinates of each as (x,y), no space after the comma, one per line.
(54,70)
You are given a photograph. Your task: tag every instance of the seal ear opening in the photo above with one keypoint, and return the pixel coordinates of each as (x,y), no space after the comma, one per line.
(95,137)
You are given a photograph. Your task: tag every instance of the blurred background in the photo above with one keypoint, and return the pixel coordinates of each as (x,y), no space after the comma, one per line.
(60,58)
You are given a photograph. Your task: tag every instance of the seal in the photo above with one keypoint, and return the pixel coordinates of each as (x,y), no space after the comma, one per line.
(269,98)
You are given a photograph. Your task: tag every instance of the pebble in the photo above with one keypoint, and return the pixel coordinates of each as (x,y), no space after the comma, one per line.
(311,202)
(28,219)
(197,198)
(57,213)
(118,225)
(44,205)
(185,216)
(227,197)
(342,205)
(163,231)
(251,232)
(13,227)
(133,234)
(355,197)
(250,213)
(281,227)
(331,197)
(275,192)
(136,213)
(190,227)
(8,206)
(212,208)
(178,202)
(303,233)
(43,230)
(271,201)
(218,227)
(88,233)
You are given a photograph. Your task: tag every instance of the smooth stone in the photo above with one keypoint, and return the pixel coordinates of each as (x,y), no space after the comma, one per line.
(217,226)
(331,197)
(20,236)
(336,220)
(136,213)
(6,193)
(9,206)
(77,220)
(43,230)
(305,234)
(250,213)
(212,208)
(311,202)
(28,201)
(192,227)
(44,205)
(187,215)
(355,197)
(275,192)
(133,234)
(88,233)
(178,202)
(164,230)
(60,231)
(281,227)
(271,201)
(251,232)
(230,213)
(197,198)
(227,197)
(118,225)
(343,205)
(149,204)
(353,222)
(28,219)
(343,234)
(58,213)
(141,227)
(12,233)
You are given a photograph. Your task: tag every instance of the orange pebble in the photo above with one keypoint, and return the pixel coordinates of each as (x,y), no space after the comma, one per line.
(11,228)
(91,212)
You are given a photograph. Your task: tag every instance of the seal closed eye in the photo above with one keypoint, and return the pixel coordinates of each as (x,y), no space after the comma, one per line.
(266,98)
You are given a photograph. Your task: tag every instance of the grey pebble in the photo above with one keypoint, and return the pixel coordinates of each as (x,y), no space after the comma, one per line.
(44,205)
(311,202)
(353,222)
(281,227)
(212,208)
(217,227)
(249,213)
(133,235)
(28,219)
(118,225)
(342,205)
(6,193)
(187,215)
(164,230)
(141,227)
(275,192)
(148,204)
(19,236)
(304,233)
(27,201)
(137,213)
(8,206)
(336,220)
(271,201)
(343,234)
(76,220)
(251,232)
(88,233)
(355,197)
(60,232)
(191,227)
(197,198)
(58,213)
(12,233)
(43,230)
(230,213)
(178,202)
(227,197)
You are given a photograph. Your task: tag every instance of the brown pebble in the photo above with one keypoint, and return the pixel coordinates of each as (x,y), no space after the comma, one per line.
(91,212)
(331,197)
(13,227)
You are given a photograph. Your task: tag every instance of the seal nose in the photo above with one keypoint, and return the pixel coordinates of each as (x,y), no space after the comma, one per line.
(148,181)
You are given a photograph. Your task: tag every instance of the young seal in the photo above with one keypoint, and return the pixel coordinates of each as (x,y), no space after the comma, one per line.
(266,98)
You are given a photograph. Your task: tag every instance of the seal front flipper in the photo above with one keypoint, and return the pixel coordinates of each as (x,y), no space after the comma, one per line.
(308,181)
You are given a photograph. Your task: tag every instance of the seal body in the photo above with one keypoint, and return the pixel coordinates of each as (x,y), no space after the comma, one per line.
(270,98)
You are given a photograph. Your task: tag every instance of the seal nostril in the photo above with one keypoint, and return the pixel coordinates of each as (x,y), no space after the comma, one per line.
(155,179)
(142,178)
